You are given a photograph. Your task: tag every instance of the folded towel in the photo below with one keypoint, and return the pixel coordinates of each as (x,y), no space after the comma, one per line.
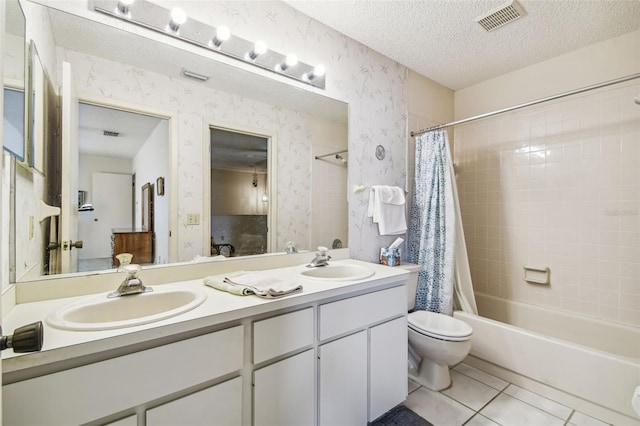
(245,283)
(217,282)
(386,208)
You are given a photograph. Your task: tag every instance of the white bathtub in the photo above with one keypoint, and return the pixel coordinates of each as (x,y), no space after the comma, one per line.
(593,360)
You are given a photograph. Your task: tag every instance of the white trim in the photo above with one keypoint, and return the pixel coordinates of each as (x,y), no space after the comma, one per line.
(172,116)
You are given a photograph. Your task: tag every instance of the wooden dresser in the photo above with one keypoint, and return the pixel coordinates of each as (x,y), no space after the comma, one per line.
(132,240)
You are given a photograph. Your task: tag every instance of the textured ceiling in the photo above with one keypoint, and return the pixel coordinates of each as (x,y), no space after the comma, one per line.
(440,39)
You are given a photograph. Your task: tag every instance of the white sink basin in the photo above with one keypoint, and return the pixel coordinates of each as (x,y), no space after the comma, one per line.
(102,313)
(333,272)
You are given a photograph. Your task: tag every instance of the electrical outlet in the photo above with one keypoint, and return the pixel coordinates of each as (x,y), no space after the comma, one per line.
(193,219)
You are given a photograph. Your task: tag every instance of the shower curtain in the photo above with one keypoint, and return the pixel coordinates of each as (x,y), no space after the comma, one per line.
(436,240)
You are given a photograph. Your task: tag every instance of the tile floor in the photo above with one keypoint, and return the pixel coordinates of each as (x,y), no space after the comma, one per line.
(476,398)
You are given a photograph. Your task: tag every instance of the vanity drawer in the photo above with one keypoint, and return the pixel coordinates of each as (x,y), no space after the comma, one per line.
(117,384)
(282,334)
(361,311)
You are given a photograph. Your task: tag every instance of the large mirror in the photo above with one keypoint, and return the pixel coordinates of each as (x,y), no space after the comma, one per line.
(113,68)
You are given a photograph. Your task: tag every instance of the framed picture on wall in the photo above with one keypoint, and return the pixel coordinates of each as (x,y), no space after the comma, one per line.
(160,186)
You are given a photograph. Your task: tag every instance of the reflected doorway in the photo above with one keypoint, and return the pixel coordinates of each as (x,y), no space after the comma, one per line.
(119,153)
(240,194)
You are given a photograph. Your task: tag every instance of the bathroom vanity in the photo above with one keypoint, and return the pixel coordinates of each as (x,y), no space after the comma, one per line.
(334,354)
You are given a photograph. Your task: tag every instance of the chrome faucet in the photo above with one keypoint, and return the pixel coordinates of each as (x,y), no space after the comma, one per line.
(321,259)
(131,284)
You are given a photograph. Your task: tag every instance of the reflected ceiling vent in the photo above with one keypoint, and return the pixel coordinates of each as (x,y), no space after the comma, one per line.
(501,16)
(110,133)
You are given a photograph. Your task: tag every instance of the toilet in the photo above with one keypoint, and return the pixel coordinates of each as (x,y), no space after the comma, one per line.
(436,341)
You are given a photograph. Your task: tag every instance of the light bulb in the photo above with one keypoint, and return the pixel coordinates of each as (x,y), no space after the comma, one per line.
(123,6)
(178,17)
(317,72)
(259,48)
(291,60)
(265,198)
(222,34)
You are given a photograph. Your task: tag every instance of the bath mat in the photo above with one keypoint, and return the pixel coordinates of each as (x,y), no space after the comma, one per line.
(400,416)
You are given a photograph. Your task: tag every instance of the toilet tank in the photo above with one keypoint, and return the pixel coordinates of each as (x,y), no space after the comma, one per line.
(412,285)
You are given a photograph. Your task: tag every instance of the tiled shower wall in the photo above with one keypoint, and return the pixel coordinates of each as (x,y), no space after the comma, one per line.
(557,185)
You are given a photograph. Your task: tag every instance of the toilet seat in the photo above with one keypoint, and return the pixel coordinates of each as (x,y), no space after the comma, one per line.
(439,326)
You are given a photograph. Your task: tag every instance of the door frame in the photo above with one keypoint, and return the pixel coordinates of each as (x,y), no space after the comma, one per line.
(172,117)
(272,179)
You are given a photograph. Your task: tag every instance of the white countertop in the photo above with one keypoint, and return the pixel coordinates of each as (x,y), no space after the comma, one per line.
(220,307)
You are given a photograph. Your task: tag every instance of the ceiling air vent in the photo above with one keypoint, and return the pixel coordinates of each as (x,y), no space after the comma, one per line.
(110,133)
(501,16)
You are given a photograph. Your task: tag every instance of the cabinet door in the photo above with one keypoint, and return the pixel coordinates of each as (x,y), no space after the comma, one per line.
(343,381)
(220,405)
(284,392)
(388,366)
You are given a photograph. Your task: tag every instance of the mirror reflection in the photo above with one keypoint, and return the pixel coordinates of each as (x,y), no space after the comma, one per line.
(121,154)
(306,199)
(14,60)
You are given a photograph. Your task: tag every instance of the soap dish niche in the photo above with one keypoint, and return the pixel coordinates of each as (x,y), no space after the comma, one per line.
(537,274)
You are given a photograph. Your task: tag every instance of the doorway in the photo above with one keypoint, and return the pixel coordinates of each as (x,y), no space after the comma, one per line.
(119,152)
(240,193)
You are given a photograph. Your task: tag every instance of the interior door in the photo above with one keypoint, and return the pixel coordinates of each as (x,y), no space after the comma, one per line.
(111,199)
(69,199)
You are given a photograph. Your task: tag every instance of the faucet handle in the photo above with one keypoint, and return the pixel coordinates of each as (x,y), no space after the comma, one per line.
(132,269)
(322,250)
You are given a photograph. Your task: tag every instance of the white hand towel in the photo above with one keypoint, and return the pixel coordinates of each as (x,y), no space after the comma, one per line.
(386,207)
(244,283)
(262,285)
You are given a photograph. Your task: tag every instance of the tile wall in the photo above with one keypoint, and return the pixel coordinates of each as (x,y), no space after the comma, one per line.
(557,185)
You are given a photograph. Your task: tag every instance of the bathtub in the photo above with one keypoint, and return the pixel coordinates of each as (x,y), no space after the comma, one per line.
(595,361)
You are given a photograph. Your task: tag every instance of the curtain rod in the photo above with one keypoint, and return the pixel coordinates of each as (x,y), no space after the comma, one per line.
(526,104)
(330,154)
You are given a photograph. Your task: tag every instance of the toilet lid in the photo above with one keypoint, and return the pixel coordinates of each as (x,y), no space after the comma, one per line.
(439,326)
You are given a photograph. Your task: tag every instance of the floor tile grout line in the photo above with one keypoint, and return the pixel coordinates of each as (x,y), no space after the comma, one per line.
(509,384)
(492,387)
(542,409)
(482,408)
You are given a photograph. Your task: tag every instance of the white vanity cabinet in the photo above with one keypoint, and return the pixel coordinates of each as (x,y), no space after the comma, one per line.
(342,378)
(220,404)
(284,391)
(336,358)
(373,353)
(102,389)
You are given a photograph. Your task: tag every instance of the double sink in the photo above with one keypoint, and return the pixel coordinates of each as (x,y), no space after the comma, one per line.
(100,312)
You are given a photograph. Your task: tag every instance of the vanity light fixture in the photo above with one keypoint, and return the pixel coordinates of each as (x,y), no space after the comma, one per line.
(123,7)
(222,34)
(259,48)
(195,75)
(218,40)
(178,17)
(290,61)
